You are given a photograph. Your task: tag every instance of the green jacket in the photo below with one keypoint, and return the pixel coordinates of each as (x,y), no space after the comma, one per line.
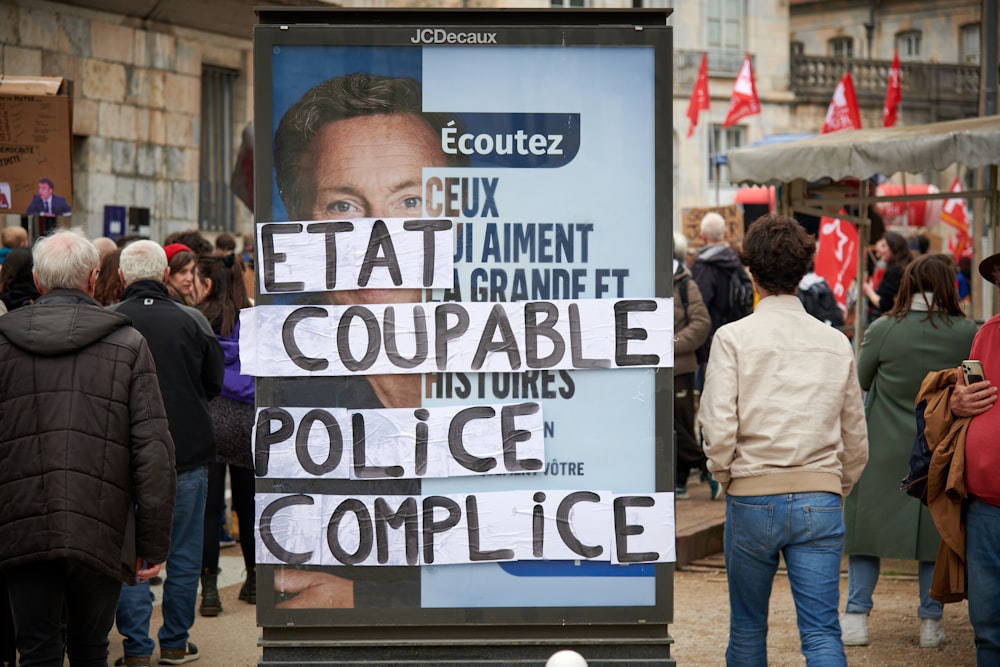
(895,356)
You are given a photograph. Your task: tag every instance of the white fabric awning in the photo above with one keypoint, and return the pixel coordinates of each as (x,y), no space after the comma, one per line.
(972,142)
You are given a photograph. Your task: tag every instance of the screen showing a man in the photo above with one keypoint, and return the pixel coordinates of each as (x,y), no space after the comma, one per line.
(46,202)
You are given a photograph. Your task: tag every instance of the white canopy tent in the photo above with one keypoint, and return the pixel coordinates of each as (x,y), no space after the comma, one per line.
(810,171)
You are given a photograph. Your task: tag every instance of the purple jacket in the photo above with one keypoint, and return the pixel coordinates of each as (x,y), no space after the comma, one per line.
(235,386)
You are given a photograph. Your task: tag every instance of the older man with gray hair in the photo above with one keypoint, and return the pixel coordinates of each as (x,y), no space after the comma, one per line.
(720,276)
(190,364)
(87,483)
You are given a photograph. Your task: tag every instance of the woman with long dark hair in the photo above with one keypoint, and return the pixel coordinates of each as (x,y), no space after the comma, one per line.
(893,251)
(220,294)
(924,331)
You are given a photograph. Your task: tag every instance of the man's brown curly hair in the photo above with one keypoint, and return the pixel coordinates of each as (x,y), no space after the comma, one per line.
(777,250)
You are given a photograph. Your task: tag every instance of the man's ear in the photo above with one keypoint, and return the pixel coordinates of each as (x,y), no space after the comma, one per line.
(166,274)
(34,278)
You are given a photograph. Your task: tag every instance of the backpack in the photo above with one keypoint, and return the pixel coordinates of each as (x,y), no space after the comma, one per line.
(915,482)
(819,302)
(740,294)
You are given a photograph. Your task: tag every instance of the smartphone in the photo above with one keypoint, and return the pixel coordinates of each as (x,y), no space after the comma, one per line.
(973,371)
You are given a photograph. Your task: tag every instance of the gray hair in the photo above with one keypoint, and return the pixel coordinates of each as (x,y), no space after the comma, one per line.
(142,260)
(64,260)
(713,227)
(680,246)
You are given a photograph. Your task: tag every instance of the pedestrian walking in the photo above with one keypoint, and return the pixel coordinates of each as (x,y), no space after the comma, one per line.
(784,432)
(190,365)
(87,483)
(924,331)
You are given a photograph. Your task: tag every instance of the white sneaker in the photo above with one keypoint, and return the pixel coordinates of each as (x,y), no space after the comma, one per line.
(854,629)
(931,633)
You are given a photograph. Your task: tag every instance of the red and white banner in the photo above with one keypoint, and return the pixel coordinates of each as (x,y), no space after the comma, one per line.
(893,93)
(744,101)
(843,113)
(700,100)
(955,214)
(836,256)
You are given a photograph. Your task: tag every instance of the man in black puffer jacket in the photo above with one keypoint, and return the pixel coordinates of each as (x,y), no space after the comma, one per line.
(189,363)
(87,479)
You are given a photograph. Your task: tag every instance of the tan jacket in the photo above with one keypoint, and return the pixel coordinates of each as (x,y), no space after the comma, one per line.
(946,492)
(781,410)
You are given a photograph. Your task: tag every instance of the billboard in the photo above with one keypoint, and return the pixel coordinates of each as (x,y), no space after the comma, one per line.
(531,160)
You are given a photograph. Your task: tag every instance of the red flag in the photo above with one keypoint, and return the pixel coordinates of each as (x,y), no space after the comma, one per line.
(744,101)
(699,96)
(843,112)
(893,94)
(837,256)
(954,213)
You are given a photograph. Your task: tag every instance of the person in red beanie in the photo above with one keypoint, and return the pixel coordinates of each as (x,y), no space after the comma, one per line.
(180,282)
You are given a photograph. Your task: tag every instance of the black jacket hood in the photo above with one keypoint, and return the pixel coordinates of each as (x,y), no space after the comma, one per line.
(60,322)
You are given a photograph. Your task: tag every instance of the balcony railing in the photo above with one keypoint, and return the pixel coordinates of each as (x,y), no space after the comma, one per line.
(813,79)
(947,90)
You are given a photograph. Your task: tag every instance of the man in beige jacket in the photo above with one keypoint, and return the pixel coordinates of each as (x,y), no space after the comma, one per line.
(784,431)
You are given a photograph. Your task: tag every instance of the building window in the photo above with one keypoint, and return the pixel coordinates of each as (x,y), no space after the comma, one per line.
(969,45)
(723,140)
(842,47)
(908,44)
(216,203)
(725,36)
(796,49)
(569,3)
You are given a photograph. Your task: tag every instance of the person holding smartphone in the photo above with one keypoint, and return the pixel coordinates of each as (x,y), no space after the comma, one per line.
(924,331)
(982,461)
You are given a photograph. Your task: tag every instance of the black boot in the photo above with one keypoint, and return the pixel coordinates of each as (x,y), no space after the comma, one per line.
(211,605)
(248,592)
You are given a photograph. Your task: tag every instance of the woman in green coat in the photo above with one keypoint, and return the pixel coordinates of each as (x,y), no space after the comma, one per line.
(924,331)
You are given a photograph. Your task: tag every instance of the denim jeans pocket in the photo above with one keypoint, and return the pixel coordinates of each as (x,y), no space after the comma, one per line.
(824,526)
(751,525)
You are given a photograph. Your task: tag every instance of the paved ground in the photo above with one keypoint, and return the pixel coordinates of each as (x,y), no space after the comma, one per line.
(701,613)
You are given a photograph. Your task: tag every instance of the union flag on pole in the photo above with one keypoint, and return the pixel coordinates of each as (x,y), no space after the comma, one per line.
(893,93)
(699,96)
(744,101)
(843,113)
(836,256)
(954,213)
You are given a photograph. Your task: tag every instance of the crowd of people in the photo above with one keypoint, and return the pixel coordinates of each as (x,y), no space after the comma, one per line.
(135,347)
(809,444)
(120,470)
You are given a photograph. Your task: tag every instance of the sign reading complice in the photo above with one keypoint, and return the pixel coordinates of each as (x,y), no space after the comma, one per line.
(306,529)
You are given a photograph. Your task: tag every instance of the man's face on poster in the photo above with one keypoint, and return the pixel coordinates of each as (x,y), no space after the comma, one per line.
(44,190)
(370,167)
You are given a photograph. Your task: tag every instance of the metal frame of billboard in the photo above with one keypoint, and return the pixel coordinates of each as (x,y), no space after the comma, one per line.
(369,631)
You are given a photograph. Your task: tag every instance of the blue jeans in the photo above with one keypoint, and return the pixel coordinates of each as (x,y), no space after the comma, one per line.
(808,529)
(862,576)
(180,587)
(982,567)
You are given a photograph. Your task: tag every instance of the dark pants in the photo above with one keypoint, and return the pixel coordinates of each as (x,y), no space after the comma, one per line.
(38,594)
(690,455)
(241,481)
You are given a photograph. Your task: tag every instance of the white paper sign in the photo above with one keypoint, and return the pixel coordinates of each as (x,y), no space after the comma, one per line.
(442,337)
(367,253)
(336,443)
(303,529)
